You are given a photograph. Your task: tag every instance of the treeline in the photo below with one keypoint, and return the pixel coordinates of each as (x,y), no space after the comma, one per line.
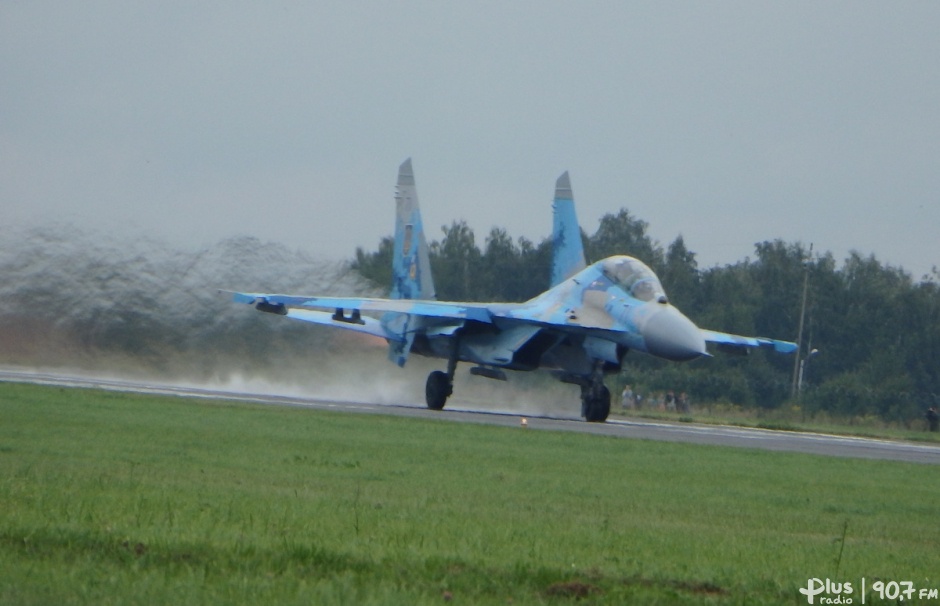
(877,331)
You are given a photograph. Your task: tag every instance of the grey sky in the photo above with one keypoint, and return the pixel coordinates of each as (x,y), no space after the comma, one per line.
(728,122)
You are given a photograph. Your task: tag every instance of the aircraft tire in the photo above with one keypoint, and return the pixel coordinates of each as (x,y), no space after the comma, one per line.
(597,407)
(437,389)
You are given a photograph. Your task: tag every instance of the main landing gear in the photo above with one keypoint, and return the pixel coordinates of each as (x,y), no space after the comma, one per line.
(440,384)
(438,389)
(595,397)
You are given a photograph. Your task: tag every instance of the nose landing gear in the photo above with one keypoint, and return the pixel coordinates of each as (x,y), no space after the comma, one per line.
(595,403)
(595,397)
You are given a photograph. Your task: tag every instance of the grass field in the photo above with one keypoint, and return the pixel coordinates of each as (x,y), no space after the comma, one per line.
(110,498)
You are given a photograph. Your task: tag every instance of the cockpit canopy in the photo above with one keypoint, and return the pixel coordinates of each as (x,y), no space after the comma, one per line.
(635,278)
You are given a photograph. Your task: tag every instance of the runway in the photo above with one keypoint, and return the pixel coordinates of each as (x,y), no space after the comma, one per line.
(716,435)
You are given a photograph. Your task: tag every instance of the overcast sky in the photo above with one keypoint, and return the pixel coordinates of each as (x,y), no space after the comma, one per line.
(727,122)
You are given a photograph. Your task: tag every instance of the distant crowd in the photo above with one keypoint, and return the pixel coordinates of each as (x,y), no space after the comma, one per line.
(668,401)
(933,419)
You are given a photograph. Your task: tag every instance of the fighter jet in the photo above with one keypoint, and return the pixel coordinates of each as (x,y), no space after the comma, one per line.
(580,328)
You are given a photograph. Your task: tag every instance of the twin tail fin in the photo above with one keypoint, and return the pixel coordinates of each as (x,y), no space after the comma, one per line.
(567,248)
(411,266)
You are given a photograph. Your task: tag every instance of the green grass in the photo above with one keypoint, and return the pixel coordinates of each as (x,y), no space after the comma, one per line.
(110,498)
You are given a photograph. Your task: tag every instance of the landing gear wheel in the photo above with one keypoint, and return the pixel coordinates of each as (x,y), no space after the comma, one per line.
(595,404)
(437,390)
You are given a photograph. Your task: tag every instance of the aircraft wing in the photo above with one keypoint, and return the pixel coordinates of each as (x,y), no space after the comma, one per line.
(316,316)
(737,343)
(438,309)
(316,310)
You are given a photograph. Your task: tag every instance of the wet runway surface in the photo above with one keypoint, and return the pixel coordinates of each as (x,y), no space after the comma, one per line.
(718,435)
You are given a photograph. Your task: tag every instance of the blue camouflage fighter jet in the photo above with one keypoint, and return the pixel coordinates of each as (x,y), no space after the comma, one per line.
(581,328)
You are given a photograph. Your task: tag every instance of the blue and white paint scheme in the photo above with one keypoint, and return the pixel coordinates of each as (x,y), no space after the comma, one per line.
(581,328)
(568,252)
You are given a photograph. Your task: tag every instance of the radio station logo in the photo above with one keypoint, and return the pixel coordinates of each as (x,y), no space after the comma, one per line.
(827,591)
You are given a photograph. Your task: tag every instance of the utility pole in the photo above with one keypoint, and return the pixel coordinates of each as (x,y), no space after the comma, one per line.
(797,361)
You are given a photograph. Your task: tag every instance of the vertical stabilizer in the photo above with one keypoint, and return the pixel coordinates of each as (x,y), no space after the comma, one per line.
(411,266)
(567,248)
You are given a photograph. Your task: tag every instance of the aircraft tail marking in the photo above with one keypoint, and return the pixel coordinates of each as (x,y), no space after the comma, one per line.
(567,248)
(411,266)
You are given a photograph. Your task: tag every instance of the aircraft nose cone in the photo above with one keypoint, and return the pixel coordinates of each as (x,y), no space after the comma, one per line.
(669,334)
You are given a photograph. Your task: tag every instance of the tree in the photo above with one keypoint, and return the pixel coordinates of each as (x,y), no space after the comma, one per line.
(500,267)
(535,268)
(376,266)
(680,276)
(622,234)
(455,263)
